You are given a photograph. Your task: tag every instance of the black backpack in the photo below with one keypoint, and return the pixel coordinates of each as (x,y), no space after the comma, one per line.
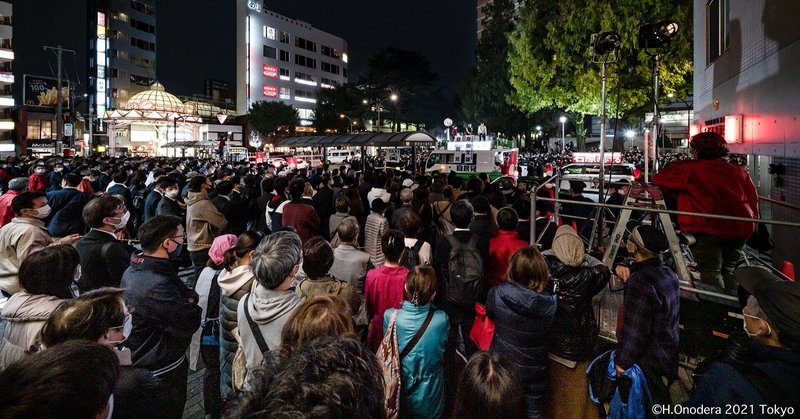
(410,257)
(465,283)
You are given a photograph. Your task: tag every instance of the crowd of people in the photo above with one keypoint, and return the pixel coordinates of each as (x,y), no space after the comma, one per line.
(300,277)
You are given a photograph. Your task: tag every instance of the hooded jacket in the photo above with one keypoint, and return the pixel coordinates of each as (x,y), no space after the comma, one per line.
(501,248)
(523,320)
(25,315)
(234,285)
(203,221)
(270,310)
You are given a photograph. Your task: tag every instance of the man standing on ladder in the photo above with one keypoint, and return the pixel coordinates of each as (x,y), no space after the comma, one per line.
(708,184)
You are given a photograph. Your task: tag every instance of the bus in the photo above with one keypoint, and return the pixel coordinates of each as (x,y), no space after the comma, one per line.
(495,162)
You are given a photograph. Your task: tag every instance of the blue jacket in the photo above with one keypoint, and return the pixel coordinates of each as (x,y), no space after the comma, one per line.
(67,212)
(523,320)
(150,204)
(638,396)
(422,395)
(163,318)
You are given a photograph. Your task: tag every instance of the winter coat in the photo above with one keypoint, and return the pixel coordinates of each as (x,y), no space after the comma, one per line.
(101,268)
(335,219)
(523,320)
(310,288)
(6,214)
(167,206)
(383,290)
(25,315)
(422,369)
(270,310)
(164,319)
(18,239)
(37,183)
(66,216)
(234,285)
(575,328)
(711,187)
(501,248)
(373,231)
(203,221)
(303,218)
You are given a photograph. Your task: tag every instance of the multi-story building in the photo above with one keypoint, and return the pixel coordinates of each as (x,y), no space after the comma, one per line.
(746,55)
(483,19)
(279,58)
(122,51)
(6,79)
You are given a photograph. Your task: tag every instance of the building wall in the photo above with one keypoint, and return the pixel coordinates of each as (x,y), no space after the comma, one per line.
(6,79)
(260,33)
(754,82)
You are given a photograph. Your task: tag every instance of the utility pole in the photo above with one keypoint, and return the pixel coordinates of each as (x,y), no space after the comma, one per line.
(59,98)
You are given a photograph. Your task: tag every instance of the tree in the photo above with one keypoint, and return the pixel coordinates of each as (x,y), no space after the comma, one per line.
(273,118)
(340,100)
(483,93)
(551,65)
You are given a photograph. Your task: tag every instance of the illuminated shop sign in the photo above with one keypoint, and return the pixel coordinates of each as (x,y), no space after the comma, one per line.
(270,90)
(270,71)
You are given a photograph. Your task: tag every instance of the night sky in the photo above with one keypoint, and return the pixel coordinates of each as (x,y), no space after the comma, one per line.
(197,42)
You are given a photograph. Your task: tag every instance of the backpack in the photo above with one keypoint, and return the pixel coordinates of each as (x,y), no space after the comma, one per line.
(465,272)
(139,199)
(410,257)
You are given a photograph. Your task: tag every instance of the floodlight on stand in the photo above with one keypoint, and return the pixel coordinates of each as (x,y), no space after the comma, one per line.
(657,36)
(603,44)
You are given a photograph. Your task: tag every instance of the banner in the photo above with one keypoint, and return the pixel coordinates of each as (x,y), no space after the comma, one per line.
(41,91)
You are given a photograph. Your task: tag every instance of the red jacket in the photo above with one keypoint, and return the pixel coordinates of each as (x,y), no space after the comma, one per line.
(37,182)
(501,247)
(6,214)
(711,187)
(303,218)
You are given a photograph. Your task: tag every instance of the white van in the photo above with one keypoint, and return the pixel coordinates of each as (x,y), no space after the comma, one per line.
(340,156)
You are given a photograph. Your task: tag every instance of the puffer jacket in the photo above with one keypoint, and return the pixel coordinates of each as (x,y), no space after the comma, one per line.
(25,315)
(234,285)
(523,321)
(203,221)
(310,288)
(422,379)
(575,327)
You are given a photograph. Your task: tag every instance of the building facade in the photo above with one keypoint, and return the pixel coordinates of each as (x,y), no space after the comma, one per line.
(746,55)
(483,19)
(283,59)
(6,79)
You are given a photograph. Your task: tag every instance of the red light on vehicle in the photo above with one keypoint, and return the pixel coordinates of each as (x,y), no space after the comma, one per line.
(637,173)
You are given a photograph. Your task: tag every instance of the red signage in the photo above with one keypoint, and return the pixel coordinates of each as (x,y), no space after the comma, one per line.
(610,158)
(270,71)
(270,90)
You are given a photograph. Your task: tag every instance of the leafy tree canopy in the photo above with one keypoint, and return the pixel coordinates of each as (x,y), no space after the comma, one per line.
(273,118)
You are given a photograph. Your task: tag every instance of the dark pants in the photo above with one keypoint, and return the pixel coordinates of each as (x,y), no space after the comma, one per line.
(174,387)
(659,388)
(199,260)
(212,400)
(717,258)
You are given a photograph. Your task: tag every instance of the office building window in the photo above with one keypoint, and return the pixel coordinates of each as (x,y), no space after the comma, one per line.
(285,56)
(270,52)
(284,38)
(305,61)
(329,52)
(285,93)
(305,44)
(329,68)
(718,26)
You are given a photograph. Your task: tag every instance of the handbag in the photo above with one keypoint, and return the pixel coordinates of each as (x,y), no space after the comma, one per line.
(239,369)
(389,358)
(482,330)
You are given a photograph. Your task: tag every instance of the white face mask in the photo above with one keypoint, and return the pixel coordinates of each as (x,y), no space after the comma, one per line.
(172,194)
(40,171)
(127,327)
(744,325)
(110,406)
(43,212)
(123,221)
(77,275)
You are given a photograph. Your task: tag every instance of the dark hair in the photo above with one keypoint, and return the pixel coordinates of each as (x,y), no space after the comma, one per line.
(507,219)
(342,204)
(25,201)
(50,271)
(323,315)
(709,146)
(377,205)
(347,230)
(224,187)
(120,176)
(196,183)
(393,244)
(88,316)
(296,188)
(489,388)
(157,229)
(245,243)
(74,179)
(461,213)
(528,268)
(410,223)
(317,257)
(421,285)
(72,379)
(331,377)
(166,182)
(99,208)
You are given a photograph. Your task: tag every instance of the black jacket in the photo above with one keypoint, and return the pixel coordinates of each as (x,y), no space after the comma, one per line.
(164,319)
(168,206)
(67,212)
(99,268)
(575,331)
(441,262)
(323,203)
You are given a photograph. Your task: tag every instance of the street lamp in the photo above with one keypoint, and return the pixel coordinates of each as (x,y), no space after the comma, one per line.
(350,128)
(563,120)
(379,107)
(688,114)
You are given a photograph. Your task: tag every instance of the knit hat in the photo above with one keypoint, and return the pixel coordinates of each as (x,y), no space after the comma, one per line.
(568,246)
(649,237)
(480,204)
(780,299)
(408,183)
(220,245)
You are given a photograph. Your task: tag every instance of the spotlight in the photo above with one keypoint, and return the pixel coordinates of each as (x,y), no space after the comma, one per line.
(630,134)
(657,35)
(605,42)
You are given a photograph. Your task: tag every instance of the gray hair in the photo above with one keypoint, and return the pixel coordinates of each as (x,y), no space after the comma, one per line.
(275,257)
(18,184)
(406,195)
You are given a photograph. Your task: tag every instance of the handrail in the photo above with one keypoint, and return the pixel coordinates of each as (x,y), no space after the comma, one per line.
(779,202)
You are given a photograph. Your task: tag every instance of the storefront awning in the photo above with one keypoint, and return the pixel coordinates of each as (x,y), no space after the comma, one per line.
(190,144)
(384,139)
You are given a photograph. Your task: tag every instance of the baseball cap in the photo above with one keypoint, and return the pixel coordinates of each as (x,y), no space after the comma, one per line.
(778,298)
(651,238)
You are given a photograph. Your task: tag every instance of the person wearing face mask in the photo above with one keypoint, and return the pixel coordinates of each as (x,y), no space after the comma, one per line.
(45,278)
(55,177)
(165,311)
(104,257)
(170,205)
(23,236)
(761,365)
(204,222)
(649,335)
(101,316)
(37,181)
